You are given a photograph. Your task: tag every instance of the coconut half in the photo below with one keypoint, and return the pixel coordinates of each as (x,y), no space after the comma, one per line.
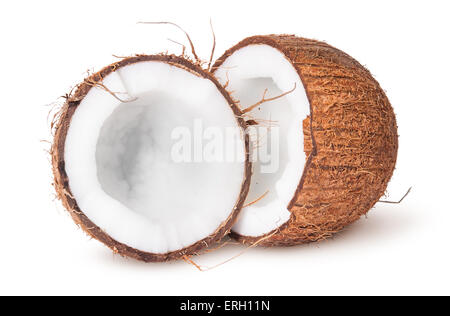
(333,139)
(117,166)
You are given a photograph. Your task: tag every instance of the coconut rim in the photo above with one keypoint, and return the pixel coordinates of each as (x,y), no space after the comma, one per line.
(267,40)
(62,182)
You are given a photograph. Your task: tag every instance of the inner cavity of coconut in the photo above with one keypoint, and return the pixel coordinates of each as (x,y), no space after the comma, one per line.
(277,141)
(119,157)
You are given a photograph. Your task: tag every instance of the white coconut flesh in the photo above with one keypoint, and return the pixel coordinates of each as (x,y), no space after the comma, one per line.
(249,71)
(120,164)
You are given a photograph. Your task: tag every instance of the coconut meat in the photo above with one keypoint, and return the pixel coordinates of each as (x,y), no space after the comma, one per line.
(119,158)
(275,176)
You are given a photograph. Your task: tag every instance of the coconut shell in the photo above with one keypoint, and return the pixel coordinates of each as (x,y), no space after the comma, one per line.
(350,139)
(62,182)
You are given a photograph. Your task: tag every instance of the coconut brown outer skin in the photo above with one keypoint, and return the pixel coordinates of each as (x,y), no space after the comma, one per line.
(62,183)
(350,139)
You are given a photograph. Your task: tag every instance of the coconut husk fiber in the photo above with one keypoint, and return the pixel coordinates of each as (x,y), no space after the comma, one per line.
(350,140)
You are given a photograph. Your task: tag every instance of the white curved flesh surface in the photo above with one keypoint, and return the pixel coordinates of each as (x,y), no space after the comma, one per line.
(120,164)
(277,142)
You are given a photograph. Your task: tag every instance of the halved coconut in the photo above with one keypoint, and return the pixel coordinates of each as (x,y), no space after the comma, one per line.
(333,138)
(119,165)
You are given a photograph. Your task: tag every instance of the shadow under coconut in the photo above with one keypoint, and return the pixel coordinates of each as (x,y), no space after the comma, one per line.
(105,255)
(383,224)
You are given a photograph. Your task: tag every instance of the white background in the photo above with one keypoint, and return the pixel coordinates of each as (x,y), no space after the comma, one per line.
(46,48)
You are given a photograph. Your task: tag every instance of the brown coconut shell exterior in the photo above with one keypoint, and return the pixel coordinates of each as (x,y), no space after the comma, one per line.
(350,139)
(62,182)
